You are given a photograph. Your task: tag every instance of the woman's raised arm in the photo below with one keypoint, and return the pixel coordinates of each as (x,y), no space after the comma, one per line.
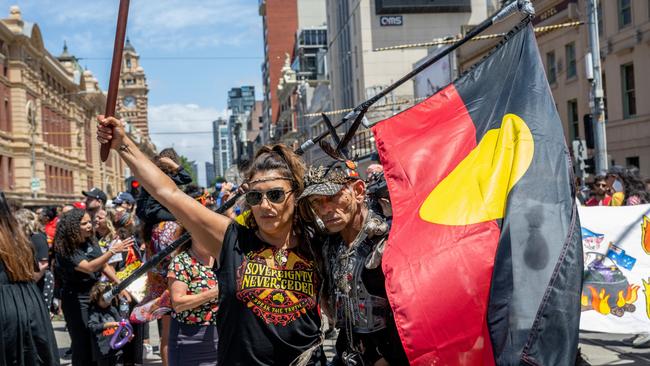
(207,227)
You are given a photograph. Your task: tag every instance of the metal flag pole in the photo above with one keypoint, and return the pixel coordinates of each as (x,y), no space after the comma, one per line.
(523,6)
(116,66)
(598,107)
(357,115)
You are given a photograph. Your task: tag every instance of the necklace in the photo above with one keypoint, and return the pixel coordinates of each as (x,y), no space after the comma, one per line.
(281,256)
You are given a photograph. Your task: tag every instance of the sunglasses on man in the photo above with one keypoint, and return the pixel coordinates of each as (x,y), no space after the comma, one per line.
(275,195)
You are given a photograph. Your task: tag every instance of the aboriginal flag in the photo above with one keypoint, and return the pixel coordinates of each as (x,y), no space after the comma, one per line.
(484,260)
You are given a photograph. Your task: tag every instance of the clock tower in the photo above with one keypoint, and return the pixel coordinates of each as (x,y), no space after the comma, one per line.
(132,100)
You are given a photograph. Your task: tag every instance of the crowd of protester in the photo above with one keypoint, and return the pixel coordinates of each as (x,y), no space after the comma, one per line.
(618,187)
(60,260)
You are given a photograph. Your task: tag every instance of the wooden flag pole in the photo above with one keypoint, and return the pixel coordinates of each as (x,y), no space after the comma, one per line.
(116,66)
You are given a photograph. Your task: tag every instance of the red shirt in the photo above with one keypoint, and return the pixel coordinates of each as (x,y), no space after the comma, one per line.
(593,201)
(50,230)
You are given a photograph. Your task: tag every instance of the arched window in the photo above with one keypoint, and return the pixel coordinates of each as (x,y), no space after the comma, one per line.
(7,113)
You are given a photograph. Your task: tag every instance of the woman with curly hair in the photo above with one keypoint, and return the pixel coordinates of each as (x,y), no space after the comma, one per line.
(269,285)
(80,262)
(27,337)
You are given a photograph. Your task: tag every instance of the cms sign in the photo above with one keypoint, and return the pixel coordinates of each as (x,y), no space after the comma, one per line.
(391,20)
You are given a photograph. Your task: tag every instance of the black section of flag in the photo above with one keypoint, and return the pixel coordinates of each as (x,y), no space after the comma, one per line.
(534,309)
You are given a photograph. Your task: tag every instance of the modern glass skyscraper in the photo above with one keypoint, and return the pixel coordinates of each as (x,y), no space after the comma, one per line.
(241,101)
(221,150)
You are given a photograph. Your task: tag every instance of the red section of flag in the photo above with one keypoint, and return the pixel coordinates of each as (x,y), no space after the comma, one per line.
(437,276)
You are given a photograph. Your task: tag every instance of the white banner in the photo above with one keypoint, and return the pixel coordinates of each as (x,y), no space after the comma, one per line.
(616,289)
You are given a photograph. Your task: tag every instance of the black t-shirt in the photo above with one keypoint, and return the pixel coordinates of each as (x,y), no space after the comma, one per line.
(41,253)
(41,250)
(268,312)
(97,316)
(77,281)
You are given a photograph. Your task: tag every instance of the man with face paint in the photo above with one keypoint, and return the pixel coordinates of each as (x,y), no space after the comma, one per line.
(334,200)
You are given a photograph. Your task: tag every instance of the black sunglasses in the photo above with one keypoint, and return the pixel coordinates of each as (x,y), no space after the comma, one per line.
(275,195)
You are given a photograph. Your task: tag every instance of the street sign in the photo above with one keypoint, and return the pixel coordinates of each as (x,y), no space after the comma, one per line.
(36,184)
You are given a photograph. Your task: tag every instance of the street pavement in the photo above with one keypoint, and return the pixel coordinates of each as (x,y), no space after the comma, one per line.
(597,348)
(612,349)
(63,341)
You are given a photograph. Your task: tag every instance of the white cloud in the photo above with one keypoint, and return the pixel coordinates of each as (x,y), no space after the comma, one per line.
(192,130)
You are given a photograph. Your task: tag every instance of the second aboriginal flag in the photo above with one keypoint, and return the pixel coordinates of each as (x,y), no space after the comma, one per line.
(484,261)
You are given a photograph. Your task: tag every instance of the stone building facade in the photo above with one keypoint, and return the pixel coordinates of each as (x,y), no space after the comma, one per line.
(624,28)
(132,101)
(48,104)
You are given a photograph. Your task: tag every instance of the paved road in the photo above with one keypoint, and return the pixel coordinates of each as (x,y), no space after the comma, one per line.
(597,348)
(611,349)
(63,341)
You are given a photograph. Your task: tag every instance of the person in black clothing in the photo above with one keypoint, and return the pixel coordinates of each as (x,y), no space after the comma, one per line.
(95,200)
(151,212)
(31,227)
(27,338)
(269,285)
(334,201)
(124,201)
(103,321)
(80,262)
(148,209)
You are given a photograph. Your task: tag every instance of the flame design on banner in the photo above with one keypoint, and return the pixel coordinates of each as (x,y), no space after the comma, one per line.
(645,234)
(603,302)
(646,290)
(600,301)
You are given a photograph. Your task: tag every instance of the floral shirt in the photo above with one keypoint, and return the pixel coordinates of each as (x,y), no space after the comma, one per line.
(162,235)
(198,278)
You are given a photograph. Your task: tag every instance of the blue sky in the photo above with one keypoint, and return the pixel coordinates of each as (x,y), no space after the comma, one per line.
(193,52)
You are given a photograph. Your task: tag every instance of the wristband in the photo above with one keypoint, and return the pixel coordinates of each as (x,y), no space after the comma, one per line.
(113,252)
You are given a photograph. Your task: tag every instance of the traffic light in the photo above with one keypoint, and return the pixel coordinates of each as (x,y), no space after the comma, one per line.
(133,186)
(579,148)
(589,130)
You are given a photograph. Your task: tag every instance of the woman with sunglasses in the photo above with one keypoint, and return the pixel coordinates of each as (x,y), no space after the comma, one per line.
(268,280)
